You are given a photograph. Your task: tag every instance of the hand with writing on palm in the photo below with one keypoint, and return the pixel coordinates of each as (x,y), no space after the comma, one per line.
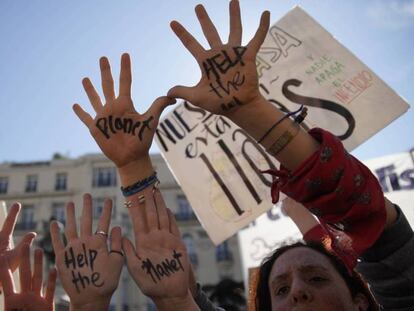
(123,134)
(159,264)
(30,297)
(12,255)
(229,77)
(88,271)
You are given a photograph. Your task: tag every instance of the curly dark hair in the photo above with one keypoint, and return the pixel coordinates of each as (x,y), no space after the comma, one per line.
(353,279)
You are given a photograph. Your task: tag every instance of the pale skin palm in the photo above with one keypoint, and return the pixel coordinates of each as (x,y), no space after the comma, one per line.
(128,139)
(89,272)
(229,77)
(158,246)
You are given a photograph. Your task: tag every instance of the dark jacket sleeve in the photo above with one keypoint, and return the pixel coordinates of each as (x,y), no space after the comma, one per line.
(388,266)
(203,302)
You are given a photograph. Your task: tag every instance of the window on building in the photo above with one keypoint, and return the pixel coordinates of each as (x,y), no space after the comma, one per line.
(104,177)
(98,206)
(4,184)
(223,253)
(61,181)
(58,211)
(31,183)
(191,250)
(185,211)
(26,218)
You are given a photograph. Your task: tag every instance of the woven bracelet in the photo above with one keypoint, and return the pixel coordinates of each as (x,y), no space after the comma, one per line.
(293,113)
(139,185)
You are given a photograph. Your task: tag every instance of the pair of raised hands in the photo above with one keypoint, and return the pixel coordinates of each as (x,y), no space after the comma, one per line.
(89,270)
(229,81)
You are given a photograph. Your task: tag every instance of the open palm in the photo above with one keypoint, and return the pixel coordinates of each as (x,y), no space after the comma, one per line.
(229,78)
(88,271)
(121,132)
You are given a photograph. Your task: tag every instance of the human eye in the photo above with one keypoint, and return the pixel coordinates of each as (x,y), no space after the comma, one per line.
(282,290)
(317,279)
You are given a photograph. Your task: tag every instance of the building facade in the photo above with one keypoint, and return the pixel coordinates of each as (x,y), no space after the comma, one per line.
(43,189)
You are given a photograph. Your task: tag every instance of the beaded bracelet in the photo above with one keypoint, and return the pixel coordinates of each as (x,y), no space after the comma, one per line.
(139,185)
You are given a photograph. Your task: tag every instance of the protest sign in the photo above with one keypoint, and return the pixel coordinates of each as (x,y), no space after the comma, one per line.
(218,165)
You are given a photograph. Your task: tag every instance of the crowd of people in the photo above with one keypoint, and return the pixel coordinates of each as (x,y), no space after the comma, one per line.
(356,253)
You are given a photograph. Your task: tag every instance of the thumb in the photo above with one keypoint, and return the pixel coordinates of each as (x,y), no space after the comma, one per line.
(160,104)
(183,92)
(129,250)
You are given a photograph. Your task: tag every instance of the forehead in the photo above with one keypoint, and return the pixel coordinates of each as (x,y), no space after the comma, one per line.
(299,257)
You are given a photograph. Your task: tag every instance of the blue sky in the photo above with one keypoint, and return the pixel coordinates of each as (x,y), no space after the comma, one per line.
(49,46)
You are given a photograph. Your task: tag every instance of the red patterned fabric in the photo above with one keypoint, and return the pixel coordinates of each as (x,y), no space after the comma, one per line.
(339,190)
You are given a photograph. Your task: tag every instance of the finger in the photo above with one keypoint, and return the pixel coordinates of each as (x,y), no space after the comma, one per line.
(187,40)
(236,28)
(209,30)
(139,221)
(129,251)
(184,92)
(116,245)
(116,239)
(57,243)
(107,80)
(24,269)
(37,272)
(105,219)
(159,105)
(125,78)
(258,39)
(70,227)
(163,219)
(6,279)
(92,94)
(86,220)
(151,212)
(11,218)
(173,224)
(51,285)
(83,115)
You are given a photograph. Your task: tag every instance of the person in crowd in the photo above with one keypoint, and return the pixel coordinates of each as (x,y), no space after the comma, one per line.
(315,171)
(31,295)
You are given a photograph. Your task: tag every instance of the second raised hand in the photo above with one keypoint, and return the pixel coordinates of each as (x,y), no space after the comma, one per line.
(88,271)
(229,77)
(123,134)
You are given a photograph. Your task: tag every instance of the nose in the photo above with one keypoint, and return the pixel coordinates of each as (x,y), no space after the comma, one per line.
(300,293)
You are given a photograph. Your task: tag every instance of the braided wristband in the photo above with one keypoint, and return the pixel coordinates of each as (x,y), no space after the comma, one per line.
(139,185)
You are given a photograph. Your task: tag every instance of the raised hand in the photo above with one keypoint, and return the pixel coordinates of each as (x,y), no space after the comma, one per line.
(159,264)
(88,271)
(123,134)
(229,77)
(12,255)
(31,297)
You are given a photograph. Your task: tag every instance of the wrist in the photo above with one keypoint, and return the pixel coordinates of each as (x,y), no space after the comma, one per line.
(185,303)
(135,171)
(93,306)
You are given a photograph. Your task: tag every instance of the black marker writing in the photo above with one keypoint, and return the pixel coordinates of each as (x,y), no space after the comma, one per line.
(85,258)
(163,269)
(111,125)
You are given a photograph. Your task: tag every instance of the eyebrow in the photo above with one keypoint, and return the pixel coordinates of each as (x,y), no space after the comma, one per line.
(302,268)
